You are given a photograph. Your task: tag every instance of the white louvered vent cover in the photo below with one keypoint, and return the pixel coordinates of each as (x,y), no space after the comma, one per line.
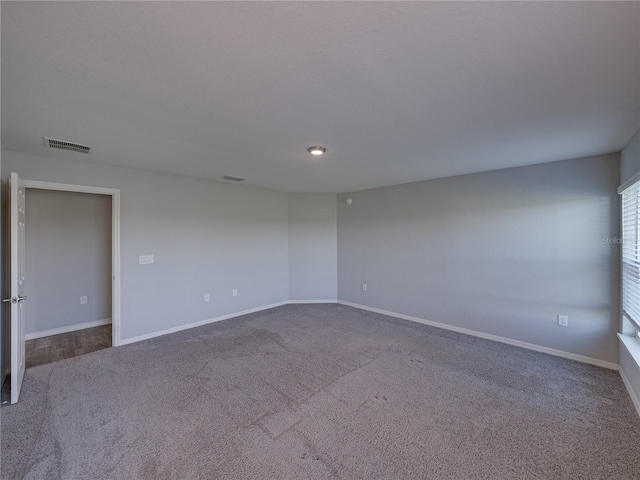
(63,145)
(234,179)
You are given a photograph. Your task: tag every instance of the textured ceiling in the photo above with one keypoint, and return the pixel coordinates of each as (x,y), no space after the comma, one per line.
(397,92)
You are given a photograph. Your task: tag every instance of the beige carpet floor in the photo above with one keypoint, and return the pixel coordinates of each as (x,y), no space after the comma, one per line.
(320,392)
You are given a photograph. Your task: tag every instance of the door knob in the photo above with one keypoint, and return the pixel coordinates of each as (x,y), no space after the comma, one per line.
(18,299)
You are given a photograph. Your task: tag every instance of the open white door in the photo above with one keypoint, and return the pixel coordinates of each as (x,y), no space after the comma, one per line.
(18,297)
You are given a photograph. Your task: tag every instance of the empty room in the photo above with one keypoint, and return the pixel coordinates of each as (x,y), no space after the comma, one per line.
(320,240)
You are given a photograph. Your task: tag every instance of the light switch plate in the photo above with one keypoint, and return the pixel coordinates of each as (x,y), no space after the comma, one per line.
(563,320)
(83,300)
(146,259)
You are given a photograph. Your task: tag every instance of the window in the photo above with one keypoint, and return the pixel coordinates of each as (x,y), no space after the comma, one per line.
(631,255)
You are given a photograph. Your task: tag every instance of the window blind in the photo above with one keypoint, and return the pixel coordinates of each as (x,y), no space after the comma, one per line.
(631,253)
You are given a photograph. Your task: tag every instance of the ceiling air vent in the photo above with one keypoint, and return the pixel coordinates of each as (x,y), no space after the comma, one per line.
(62,145)
(234,179)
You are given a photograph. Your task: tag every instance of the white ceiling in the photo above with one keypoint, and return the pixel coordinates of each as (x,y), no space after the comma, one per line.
(397,92)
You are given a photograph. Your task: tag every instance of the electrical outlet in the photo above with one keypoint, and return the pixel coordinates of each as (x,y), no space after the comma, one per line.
(364,287)
(235,292)
(563,320)
(207,297)
(83,300)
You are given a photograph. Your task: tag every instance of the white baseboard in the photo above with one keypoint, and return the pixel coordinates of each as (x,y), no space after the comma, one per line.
(488,336)
(302,302)
(70,328)
(147,336)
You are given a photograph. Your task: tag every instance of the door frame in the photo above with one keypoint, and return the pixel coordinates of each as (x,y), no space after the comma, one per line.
(115,242)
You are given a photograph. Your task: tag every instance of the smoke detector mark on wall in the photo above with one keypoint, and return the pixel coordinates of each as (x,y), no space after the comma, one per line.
(64,145)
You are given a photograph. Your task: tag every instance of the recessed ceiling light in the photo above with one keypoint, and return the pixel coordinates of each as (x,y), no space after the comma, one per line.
(316,150)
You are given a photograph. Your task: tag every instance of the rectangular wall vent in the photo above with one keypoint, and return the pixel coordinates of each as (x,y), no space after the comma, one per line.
(62,145)
(234,179)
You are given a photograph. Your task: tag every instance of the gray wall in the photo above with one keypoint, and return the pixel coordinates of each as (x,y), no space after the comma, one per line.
(500,252)
(206,237)
(313,252)
(630,166)
(68,255)
(630,158)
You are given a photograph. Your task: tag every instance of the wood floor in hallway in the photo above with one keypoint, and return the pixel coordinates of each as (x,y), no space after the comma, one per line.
(66,345)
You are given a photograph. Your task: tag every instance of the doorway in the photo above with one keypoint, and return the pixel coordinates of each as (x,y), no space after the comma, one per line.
(68,267)
(17,298)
